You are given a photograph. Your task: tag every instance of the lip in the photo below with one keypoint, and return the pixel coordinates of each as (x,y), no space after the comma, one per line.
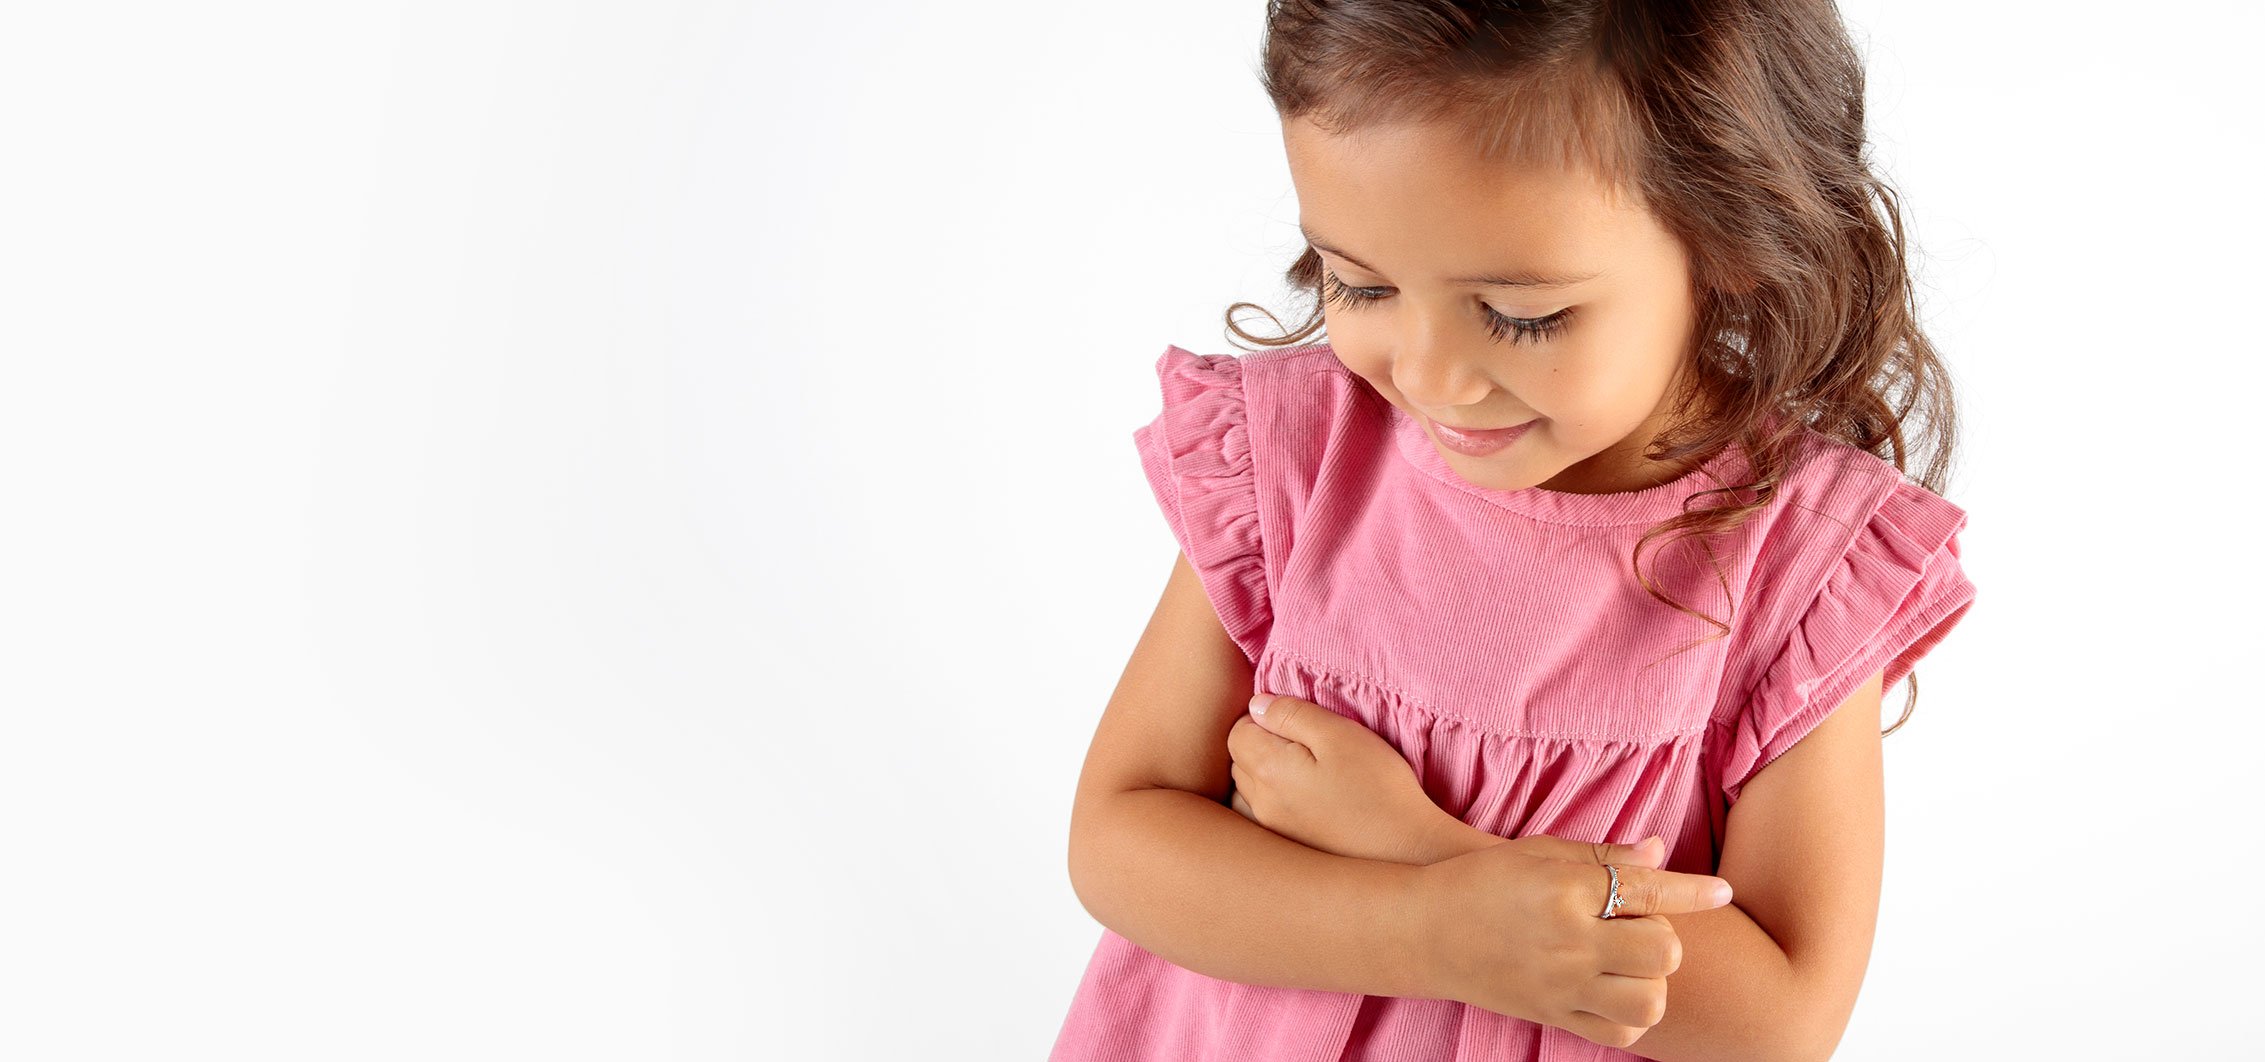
(1476,443)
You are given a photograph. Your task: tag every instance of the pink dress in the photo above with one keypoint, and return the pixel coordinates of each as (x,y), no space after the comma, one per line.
(1499,641)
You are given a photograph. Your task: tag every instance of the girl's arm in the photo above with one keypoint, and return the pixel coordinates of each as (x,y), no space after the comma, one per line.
(1773,974)
(1157,857)
(1735,995)
(1206,889)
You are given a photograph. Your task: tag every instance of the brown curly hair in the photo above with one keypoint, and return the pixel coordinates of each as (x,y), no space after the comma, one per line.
(1740,123)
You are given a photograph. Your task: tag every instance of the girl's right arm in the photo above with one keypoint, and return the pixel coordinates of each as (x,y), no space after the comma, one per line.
(1158,857)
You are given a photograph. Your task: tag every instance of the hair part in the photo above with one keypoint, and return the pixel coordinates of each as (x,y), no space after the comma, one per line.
(1740,125)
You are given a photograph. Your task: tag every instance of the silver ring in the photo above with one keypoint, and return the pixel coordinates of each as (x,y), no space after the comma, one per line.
(1613,900)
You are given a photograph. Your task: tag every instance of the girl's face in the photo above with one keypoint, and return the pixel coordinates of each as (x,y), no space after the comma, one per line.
(1478,296)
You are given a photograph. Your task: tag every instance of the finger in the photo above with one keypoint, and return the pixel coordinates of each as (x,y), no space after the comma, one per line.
(1640,947)
(1595,853)
(1645,891)
(1598,1030)
(1247,740)
(1636,1002)
(1285,716)
(1649,852)
(1304,724)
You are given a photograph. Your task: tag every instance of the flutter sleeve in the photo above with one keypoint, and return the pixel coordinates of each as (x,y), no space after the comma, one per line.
(1197,456)
(1894,595)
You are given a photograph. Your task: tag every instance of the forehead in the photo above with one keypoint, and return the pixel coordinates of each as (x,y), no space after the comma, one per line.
(1418,193)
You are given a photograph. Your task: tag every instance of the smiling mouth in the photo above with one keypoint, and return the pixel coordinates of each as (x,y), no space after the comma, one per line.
(1477,442)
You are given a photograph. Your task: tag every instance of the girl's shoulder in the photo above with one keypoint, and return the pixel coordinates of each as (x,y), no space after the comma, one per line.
(1857,570)
(1287,403)
(1304,394)
(1276,374)
(1848,530)
(1846,480)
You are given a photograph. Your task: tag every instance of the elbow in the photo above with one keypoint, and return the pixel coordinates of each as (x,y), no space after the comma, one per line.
(1816,1038)
(1080,873)
(1791,1041)
(1089,864)
(1811,1046)
(1081,879)
(1101,844)
(1824,1037)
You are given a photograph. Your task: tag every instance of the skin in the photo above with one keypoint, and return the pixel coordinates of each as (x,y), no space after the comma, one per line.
(1774,974)
(1418,207)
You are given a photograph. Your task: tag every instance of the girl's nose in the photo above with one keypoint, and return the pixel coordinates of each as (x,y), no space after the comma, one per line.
(1437,370)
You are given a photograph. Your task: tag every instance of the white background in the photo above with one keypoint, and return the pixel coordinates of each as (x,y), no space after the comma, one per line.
(603,530)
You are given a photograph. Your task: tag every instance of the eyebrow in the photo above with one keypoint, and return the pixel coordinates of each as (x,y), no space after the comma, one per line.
(1500,280)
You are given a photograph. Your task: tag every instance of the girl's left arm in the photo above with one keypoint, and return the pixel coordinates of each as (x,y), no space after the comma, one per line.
(1773,975)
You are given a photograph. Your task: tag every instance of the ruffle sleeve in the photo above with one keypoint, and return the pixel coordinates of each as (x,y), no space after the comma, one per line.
(1197,456)
(1895,594)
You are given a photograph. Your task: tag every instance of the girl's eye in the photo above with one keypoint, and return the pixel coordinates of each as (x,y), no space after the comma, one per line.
(1505,328)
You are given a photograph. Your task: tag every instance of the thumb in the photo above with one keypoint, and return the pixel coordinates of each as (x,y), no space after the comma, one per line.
(1285,715)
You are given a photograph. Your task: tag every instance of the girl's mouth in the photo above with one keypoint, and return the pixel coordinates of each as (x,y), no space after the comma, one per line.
(1476,443)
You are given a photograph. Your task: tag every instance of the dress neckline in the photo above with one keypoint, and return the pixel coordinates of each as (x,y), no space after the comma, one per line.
(1650,505)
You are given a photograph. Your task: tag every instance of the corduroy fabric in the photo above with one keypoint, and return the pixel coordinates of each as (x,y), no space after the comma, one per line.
(1499,640)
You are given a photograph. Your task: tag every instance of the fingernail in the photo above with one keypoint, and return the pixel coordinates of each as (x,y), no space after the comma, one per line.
(1259,701)
(1721,893)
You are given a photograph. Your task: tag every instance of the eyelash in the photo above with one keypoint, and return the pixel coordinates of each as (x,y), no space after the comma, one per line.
(1505,328)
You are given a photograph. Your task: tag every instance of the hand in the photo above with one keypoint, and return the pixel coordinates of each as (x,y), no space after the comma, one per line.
(1327,782)
(1513,928)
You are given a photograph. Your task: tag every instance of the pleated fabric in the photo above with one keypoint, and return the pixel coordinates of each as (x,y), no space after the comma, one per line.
(1499,640)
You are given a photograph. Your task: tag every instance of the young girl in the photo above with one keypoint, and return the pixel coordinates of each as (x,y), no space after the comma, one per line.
(1568,573)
